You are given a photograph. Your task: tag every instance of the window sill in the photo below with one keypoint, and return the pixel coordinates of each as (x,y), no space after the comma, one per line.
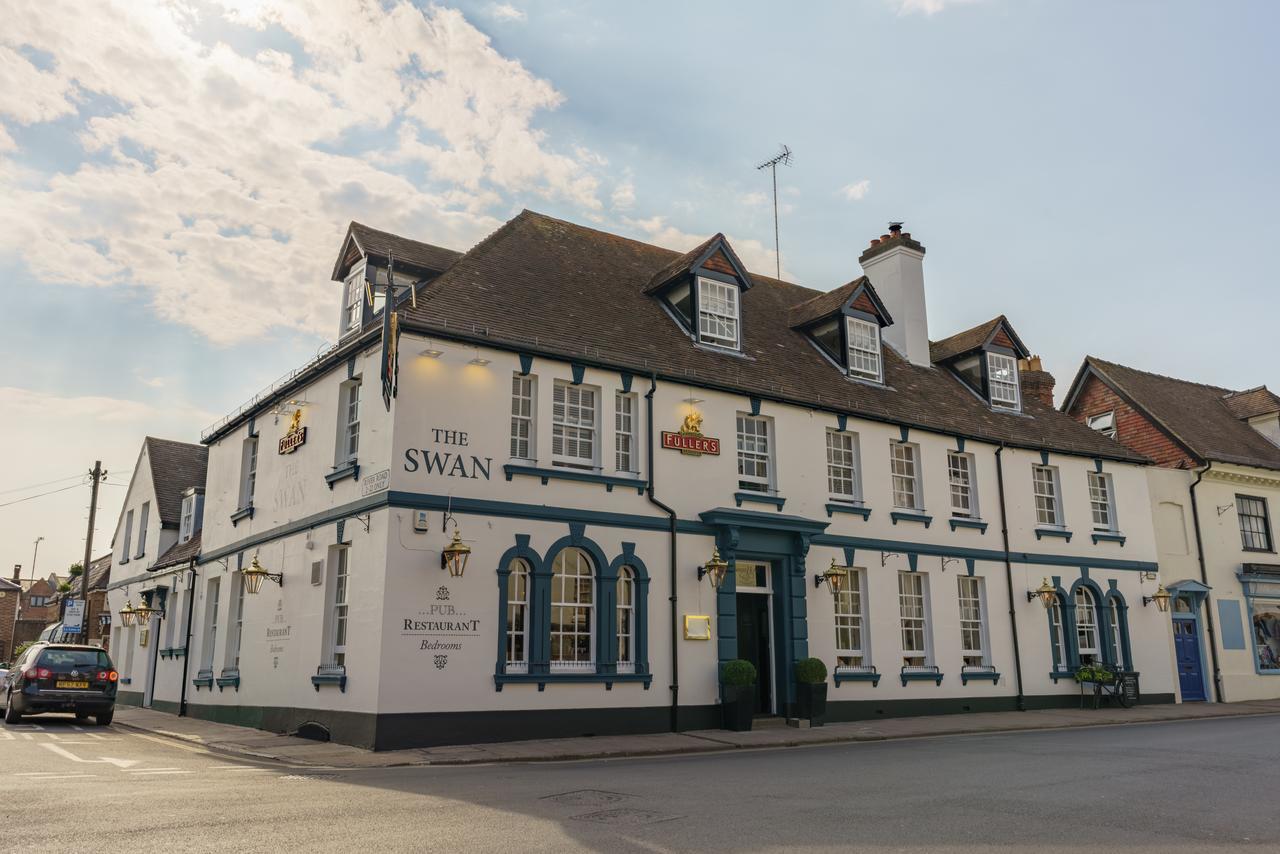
(548,475)
(125,560)
(1041,533)
(962,522)
(834,507)
(346,470)
(330,675)
(910,516)
(139,555)
(864,674)
(1055,675)
(1108,537)
(242,513)
(204,679)
(174,652)
(1258,551)
(543,679)
(230,678)
(979,674)
(916,673)
(759,498)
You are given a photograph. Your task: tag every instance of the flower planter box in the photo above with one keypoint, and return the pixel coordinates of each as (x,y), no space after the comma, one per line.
(739,707)
(811,702)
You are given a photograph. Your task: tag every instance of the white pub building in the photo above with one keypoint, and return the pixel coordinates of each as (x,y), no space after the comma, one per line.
(601,422)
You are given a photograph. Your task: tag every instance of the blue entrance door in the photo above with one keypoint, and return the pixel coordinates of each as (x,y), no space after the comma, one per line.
(1186,644)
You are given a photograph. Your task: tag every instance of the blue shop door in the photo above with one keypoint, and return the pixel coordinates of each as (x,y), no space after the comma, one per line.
(1186,643)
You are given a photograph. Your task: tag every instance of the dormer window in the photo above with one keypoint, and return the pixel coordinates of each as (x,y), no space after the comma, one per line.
(718,314)
(702,289)
(985,359)
(1002,380)
(864,348)
(353,305)
(845,324)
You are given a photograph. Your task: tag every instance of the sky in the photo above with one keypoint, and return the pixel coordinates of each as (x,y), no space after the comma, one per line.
(176,177)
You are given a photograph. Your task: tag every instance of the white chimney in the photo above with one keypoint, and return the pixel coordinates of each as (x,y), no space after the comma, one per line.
(895,265)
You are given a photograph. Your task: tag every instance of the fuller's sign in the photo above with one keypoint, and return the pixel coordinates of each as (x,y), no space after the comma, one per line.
(690,441)
(296,436)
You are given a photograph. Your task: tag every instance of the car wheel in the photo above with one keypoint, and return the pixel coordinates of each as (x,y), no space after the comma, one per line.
(104,718)
(82,715)
(11,715)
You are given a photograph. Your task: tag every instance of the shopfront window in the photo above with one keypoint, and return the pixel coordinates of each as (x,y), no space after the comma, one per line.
(1266,635)
(572,609)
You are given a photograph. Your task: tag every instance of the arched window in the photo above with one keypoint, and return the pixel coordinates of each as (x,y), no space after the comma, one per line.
(1087,646)
(626,620)
(1117,633)
(518,617)
(572,612)
(1056,639)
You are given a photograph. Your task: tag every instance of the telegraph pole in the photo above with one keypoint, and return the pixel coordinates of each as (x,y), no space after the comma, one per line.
(96,477)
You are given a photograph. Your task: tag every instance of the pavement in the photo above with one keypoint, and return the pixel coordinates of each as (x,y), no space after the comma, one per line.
(1175,787)
(772,733)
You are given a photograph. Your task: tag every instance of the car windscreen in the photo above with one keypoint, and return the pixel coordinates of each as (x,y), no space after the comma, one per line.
(61,659)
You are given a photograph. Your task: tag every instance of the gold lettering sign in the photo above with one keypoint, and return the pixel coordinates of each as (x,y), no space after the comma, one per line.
(296,436)
(690,441)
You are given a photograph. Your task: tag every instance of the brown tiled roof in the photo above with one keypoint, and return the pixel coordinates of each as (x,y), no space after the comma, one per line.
(544,286)
(970,339)
(175,466)
(100,572)
(1197,415)
(6,584)
(1251,403)
(828,303)
(681,264)
(381,243)
(179,553)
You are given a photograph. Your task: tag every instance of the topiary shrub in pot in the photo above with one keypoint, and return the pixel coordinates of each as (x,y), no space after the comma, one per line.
(811,690)
(738,680)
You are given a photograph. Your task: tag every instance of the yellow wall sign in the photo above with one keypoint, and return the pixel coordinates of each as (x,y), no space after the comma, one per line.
(697,627)
(296,436)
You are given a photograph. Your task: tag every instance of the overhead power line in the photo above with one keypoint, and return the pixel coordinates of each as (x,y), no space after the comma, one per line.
(40,495)
(46,483)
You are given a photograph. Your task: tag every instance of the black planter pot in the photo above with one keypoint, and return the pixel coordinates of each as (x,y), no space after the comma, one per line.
(811,702)
(739,707)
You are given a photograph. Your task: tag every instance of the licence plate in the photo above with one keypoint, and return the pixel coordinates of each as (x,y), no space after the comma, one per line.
(73,685)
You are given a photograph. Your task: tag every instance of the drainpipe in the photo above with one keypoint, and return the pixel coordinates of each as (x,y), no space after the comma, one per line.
(1008,578)
(1204,579)
(186,656)
(673,598)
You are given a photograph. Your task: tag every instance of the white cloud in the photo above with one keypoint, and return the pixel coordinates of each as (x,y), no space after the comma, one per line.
(753,200)
(925,7)
(506,12)
(856,191)
(624,195)
(221,186)
(755,255)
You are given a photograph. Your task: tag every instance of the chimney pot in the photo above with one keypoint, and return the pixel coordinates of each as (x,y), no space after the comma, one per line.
(875,241)
(895,228)
(17,572)
(884,237)
(1036,381)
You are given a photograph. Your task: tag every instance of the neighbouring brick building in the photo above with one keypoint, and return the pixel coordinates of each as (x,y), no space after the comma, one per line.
(39,607)
(10,592)
(1217,475)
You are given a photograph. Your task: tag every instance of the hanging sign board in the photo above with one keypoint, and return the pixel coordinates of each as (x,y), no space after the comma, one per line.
(73,617)
(690,441)
(296,436)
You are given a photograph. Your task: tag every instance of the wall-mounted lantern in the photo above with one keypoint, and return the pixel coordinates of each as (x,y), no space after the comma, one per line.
(127,614)
(143,613)
(1161,597)
(834,577)
(1046,593)
(453,557)
(716,567)
(254,573)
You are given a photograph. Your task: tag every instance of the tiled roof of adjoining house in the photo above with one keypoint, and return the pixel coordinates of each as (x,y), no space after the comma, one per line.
(971,339)
(545,286)
(175,466)
(100,573)
(1197,415)
(1252,402)
(381,243)
(179,553)
(6,584)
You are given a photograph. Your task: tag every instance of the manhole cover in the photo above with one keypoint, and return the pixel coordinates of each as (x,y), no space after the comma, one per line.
(626,816)
(308,777)
(586,798)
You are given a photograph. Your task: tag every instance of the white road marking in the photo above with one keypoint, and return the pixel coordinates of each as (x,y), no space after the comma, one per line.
(52,774)
(155,773)
(5,735)
(145,770)
(65,777)
(237,768)
(54,736)
(67,754)
(98,737)
(77,728)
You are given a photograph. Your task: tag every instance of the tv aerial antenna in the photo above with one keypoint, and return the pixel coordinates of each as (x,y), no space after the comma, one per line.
(784,158)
